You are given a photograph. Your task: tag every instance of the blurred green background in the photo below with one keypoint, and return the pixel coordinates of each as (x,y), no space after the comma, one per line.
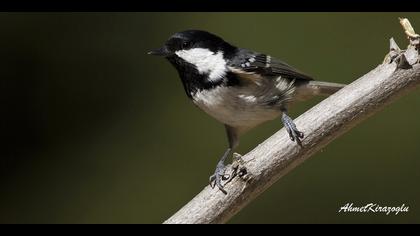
(96,131)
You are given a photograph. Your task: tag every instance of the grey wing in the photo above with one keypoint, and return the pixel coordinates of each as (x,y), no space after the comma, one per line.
(265,65)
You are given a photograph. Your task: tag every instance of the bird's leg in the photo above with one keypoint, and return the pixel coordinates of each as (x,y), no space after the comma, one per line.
(219,173)
(290,126)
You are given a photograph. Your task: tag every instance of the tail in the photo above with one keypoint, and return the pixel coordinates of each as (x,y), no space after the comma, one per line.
(308,89)
(324,88)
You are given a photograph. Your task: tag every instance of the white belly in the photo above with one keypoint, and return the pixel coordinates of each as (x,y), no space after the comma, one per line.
(236,106)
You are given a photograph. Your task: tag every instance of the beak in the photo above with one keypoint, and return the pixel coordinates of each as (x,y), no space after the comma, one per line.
(163,51)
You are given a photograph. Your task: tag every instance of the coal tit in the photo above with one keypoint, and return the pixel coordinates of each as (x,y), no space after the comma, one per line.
(238,87)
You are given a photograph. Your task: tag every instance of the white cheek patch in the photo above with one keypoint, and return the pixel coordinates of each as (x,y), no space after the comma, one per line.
(206,62)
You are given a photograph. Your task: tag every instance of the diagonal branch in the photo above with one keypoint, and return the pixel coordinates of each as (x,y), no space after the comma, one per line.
(278,155)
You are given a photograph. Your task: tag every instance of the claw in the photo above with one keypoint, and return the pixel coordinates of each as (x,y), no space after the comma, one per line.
(211,181)
(291,136)
(226,176)
(217,177)
(300,134)
(219,173)
(219,185)
(294,133)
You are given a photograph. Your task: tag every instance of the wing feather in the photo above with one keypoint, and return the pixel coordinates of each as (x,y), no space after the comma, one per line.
(261,65)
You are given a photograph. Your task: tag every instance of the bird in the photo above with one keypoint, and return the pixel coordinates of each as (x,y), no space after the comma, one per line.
(238,87)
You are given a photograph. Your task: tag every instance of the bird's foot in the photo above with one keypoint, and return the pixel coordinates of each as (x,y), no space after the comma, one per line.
(218,176)
(238,169)
(290,126)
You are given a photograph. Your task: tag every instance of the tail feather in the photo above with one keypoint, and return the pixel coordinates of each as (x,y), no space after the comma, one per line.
(325,88)
(313,88)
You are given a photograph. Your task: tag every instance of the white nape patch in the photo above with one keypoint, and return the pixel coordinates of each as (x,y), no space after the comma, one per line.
(206,61)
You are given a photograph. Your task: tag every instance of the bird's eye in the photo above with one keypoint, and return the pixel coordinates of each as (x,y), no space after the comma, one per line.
(186,44)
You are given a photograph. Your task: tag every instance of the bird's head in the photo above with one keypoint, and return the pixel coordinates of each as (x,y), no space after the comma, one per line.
(191,40)
(199,50)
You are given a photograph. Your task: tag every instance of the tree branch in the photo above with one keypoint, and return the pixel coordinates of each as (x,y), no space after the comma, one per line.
(278,155)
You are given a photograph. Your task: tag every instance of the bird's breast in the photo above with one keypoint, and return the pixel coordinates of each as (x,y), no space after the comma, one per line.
(244,107)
